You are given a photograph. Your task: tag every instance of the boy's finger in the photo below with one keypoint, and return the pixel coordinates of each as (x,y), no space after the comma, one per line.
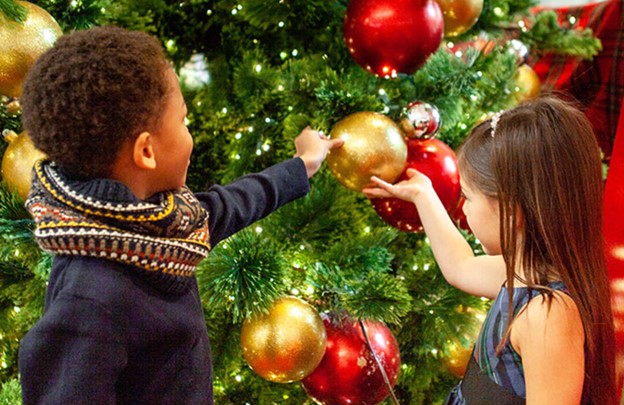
(336,143)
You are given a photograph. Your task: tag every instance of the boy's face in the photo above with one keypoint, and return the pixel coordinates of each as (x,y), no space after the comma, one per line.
(173,143)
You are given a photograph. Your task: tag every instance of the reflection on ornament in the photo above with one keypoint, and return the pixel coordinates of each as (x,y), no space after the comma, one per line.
(286,344)
(348,373)
(459,15)
(21,44)
(374,146)
(527,84)
(519,49)
(420,120)
(18,161)
(437,161)
(387,37)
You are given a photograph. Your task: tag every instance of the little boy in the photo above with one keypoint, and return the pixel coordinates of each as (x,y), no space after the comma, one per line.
(123,322)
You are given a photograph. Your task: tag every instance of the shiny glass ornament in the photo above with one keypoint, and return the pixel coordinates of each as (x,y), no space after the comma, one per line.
(519,49)
(21,44)
(459,15)
(18,161)
(420,120)
(387,37)
(527,84)
(348,373)
(437,161)
(286,344)
(374,146)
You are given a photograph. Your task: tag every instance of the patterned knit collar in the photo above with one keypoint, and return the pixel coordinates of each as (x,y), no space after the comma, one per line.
(163,237)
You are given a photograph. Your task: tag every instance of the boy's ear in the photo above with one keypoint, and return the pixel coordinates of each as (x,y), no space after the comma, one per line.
(143,151)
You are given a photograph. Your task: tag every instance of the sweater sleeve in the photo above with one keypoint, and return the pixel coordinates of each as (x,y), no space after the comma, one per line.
(73,355)
(252,197)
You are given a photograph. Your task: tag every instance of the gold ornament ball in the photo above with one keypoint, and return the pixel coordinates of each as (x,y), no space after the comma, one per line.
(373,146)
(22,43)
(286,344)
(18,161)
(459,15)
(457,358)
(457,352)
(527,84)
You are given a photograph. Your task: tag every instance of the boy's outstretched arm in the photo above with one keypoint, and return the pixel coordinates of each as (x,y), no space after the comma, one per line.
(477,275)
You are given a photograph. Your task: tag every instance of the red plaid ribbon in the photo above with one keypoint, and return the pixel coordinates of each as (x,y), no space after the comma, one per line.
(597,84)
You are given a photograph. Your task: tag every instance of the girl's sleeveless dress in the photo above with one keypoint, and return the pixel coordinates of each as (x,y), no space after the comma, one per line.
(492,379)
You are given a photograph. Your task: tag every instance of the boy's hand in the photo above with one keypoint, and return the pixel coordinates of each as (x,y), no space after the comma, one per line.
(407,190)
(312,147)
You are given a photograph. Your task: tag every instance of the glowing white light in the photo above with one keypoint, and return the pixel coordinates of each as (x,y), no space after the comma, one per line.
(258,229)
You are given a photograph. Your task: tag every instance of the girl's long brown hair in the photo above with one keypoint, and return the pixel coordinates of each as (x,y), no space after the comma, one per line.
(543,166)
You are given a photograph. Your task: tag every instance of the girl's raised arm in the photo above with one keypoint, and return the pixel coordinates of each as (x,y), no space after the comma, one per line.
(477,275)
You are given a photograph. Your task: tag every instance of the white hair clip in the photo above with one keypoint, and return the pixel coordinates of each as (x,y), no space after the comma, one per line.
(494,122)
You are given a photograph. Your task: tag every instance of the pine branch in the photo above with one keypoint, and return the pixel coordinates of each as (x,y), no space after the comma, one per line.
(244,275)
(11,393)
(547,36)
(12,11)
(381,297)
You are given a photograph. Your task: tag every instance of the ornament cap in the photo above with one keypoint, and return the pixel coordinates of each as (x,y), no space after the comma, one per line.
(9,136)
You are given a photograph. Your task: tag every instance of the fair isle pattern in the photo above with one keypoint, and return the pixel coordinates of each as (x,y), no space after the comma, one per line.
(505,370)
(168,234)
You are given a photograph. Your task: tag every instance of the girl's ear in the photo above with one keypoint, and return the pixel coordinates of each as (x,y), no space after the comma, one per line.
(143,151)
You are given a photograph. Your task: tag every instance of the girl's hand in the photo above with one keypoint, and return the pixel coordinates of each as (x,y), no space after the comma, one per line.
(407,190)
(312,147)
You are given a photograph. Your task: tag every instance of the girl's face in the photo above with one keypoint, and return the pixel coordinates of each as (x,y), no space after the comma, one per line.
(482,214)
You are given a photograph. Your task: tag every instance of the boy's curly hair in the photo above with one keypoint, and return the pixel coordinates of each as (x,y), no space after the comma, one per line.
(91,92)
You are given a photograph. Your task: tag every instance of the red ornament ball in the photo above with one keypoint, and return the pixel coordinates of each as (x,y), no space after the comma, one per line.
(437,161)
(387,37)
(348,373)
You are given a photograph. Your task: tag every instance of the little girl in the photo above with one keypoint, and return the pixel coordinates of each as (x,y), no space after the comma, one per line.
(531,178)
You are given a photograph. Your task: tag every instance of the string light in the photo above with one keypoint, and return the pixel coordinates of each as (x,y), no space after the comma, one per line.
(238,135)
(258,229)
(258,68)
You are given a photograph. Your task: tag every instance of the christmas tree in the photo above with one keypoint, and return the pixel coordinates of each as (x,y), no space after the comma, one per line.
(254,74)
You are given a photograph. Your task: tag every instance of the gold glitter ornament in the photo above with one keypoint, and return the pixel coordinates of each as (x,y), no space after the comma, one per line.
(459,15)
(374,146)
(286,344)
(22,43)
(18,161)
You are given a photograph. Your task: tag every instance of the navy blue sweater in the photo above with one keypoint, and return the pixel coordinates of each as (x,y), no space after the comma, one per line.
(110,335)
